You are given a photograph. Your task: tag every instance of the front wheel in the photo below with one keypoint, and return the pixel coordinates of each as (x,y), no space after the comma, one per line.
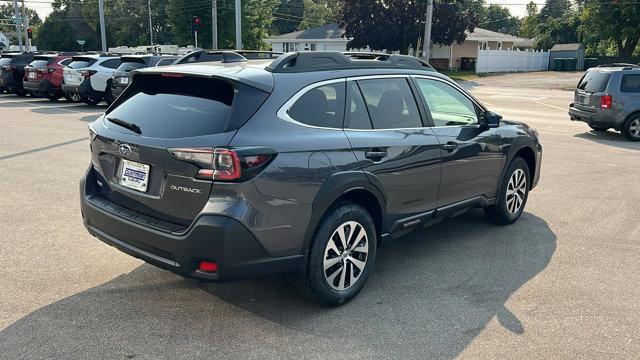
(513,194)
(631,129)
(341,256)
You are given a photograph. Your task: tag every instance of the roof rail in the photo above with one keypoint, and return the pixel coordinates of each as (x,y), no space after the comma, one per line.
(625,65)
(317,61)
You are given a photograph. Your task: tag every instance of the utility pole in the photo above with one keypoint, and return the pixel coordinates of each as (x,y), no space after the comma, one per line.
(238,27)
(214,24)
(18,21)
(26,36)
(26,29)
(150,25)
(426,48)
(103,32)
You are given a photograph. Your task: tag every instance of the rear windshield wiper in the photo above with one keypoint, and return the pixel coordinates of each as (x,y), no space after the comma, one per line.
(125,124)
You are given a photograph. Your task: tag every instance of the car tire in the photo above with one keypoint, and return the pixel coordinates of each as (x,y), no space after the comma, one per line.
(74,98)
(108,95)
(333,276)
(598,127)
(631,128)
(52,97)
(512,194)
(90,101)
(20,93)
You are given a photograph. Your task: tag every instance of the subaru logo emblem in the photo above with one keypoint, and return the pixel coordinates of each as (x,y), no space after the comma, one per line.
(125,149)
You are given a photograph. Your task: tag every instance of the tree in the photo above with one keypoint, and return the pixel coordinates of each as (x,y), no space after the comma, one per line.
(498,18)
(616,22)
(396,25)
(64,26)
(554,9)
(287,16)
(319,12)
(561,30)
(7,12)
(529,24)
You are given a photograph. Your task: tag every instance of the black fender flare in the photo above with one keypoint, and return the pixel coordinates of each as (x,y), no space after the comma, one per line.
(518,144)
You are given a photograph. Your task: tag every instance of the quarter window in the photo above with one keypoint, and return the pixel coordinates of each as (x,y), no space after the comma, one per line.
(322,106)
(390,103)
(630,84)
(448,106)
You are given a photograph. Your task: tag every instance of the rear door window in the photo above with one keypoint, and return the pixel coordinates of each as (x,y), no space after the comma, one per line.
(390,103)
(630,83)
(322,106)
(594,81)
(176,107)
(81,63)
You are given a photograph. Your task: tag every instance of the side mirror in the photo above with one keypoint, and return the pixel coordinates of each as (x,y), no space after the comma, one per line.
(491,119)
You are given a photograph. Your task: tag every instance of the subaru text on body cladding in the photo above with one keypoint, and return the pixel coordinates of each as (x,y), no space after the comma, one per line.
(302,167)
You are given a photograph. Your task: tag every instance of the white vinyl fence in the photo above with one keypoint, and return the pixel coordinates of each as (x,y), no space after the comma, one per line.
(511,61)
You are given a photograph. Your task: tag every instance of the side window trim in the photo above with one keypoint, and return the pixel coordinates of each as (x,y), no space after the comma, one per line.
(283,112)
(480,109)
(347,113)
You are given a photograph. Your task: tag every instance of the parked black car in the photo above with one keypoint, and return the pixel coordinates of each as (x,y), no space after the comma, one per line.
(303,167)
(12,66)
(128,63)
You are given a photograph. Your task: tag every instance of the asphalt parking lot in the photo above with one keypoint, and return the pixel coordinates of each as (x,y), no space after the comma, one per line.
(561,283)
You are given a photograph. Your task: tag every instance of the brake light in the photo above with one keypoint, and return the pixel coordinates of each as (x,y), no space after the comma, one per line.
(221,164)
(88,73)
(606,101)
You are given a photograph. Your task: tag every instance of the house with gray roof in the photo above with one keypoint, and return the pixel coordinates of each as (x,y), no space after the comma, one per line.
(321,38)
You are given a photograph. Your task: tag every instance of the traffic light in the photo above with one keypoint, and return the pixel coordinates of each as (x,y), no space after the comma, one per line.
(29,33)
(195,24)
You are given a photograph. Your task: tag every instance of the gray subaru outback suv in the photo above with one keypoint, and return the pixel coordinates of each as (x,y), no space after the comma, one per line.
(302,167)
(608,97)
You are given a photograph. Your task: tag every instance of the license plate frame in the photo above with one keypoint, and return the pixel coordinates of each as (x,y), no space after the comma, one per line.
(134,175)
(32,75)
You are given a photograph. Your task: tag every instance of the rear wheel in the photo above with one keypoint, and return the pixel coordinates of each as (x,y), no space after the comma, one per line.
(598,127)
(20,93)
(90,101)
(72,97)
(513,194)
(108,96)
(341,256)
(631,128)
(53,96)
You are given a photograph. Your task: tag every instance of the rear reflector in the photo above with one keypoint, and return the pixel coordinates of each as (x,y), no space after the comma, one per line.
(606,101)
(208,266)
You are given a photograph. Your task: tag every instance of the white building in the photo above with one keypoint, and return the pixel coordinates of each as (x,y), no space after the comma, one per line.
(322,38)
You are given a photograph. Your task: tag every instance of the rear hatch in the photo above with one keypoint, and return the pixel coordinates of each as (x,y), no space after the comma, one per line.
(122,75)
(38,67)
(73,73)
(591,87)
(134,144)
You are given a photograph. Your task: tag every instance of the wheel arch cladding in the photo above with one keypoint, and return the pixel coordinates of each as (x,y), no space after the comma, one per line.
(529,156)
(352,186)
(633,115)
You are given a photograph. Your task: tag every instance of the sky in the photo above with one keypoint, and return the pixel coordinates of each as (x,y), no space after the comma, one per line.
(517,7)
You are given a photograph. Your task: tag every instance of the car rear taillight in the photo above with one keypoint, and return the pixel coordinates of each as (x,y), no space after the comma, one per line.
(606,102)
(208,266)
(222,164)
(50,70)
(7,68)
(88,73)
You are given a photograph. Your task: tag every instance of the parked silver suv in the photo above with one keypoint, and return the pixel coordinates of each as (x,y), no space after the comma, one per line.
(608,97)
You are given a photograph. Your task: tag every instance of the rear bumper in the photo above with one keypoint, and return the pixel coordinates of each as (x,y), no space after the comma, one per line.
(604,117)
(8,81)
(43,85)
(84,89)
(216,238)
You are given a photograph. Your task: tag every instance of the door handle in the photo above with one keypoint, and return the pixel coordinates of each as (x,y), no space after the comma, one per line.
(450,146)
(375,154)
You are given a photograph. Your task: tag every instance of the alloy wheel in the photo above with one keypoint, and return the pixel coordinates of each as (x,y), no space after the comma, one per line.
(634,128)
(345,255)
(516,191)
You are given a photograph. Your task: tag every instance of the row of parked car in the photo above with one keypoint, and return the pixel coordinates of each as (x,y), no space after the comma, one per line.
(93,77)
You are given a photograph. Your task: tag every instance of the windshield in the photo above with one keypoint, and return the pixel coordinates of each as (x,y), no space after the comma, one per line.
(594,81)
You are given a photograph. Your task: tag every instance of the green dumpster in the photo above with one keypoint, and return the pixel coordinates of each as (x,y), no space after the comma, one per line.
(558,64)
(590,62)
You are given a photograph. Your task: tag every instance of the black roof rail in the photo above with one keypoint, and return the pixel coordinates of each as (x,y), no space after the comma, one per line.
(317,61)
(625,65)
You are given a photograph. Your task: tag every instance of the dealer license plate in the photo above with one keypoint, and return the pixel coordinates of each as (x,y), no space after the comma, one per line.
(134,175)
(124,80)
(32,75)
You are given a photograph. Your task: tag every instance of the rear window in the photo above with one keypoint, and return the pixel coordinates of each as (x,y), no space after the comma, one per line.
(594,81)
(40,63)
(81,63)
(131,65)
(5,61)
(176,107)
(630,84)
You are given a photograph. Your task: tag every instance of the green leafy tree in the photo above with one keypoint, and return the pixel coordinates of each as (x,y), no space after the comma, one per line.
(561,30)
(396,25)
(287,16)
(617,23)
(554,9)
(498,18)
(64,26)
(529,24)
(7,12)
(319,12)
